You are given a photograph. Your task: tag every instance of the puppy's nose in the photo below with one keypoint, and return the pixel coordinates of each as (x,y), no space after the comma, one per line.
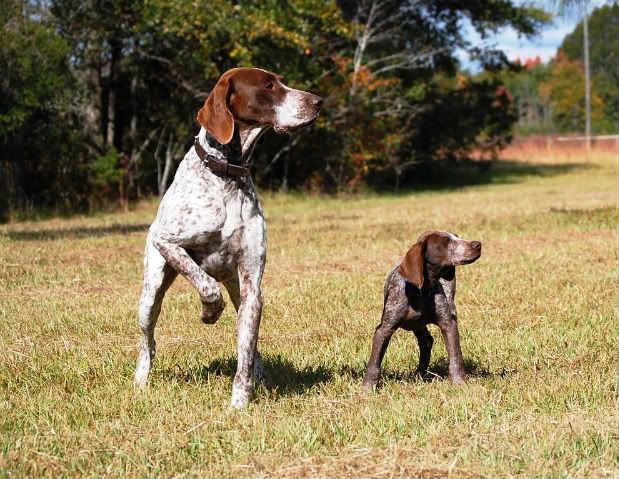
(475,245)
(316,101)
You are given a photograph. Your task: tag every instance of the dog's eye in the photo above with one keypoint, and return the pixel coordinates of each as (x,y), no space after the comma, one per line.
(269,86)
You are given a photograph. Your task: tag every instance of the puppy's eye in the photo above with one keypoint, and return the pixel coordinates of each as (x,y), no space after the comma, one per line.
(269,86)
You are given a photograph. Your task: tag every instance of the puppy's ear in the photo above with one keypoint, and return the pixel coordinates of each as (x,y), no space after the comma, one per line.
(215,116)
(411,267)
(448,273)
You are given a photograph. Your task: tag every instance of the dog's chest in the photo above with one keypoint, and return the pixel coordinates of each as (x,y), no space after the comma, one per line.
(202,212)
(219,252)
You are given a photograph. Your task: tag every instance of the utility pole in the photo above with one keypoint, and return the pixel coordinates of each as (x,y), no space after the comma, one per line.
(585,29)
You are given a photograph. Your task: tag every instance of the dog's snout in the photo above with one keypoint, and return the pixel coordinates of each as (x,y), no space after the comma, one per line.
(476,245)
(316,101)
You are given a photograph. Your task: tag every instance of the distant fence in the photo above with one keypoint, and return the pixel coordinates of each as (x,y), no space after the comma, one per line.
(567,146)
(584,138)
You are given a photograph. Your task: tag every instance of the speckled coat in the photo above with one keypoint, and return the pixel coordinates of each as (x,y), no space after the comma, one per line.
(210,228)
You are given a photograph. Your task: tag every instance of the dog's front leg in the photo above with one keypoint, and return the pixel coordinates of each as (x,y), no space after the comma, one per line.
(261,375)
(208,289)
(448,324)
(251,266)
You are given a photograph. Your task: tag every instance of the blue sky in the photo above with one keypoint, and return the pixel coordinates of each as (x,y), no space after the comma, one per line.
(544,45)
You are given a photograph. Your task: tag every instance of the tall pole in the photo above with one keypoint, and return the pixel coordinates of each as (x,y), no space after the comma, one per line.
(585,25)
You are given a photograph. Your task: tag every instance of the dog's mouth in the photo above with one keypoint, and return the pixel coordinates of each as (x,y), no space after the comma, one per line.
(468,260)
(291,129)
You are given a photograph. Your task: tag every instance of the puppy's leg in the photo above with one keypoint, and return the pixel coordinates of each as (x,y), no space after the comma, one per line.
(425,341)
(234,291)
(158,276)
(388,325)
(208,289)
(448,324)
(251,266)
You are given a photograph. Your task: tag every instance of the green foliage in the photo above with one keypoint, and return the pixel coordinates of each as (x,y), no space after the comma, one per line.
(139,71)
(106,169)
(551,98)
(40,149)
(35,76)
(530,100)
(603,59)
(565,90)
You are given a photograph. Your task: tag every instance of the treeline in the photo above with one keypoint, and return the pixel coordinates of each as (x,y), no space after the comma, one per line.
(98,97)
(550,98)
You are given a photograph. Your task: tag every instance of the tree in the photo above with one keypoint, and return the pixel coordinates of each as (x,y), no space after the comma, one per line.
(401,51)
(37,93)
(136,72)
(532,102)
(604,59)
(564,92)
(567,7)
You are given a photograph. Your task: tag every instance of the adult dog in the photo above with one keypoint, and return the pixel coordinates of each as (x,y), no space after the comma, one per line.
(210,227)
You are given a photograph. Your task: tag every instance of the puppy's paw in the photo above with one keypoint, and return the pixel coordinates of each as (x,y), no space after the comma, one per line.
(424,375)
(457,379)
(368,387)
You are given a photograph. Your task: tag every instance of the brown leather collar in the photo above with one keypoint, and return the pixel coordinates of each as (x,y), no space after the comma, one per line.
(219,166)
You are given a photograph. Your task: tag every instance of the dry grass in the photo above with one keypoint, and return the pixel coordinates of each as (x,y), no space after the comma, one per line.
(537,324)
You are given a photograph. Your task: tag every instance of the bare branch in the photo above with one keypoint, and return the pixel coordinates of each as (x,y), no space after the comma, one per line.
(284,149)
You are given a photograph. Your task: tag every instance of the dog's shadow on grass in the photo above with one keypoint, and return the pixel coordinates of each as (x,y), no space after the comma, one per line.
(78,232)
(287,379)
(284,377)
(439,370)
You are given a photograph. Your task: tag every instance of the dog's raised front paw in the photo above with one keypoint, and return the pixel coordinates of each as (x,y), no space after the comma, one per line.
(211,311)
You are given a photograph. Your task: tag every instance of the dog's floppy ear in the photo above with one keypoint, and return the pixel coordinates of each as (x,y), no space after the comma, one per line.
(215,116)
(411,267)
(448,273)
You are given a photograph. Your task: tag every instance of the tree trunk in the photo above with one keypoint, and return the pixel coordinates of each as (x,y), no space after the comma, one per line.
(585,25)
(170,154)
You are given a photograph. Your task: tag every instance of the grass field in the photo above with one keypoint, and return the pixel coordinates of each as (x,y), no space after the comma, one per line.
(537,322)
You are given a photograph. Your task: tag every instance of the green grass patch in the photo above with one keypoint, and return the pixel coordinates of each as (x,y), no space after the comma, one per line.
(538,327)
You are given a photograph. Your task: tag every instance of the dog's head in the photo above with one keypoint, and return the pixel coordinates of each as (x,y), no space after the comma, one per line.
(439,251)
(256,97)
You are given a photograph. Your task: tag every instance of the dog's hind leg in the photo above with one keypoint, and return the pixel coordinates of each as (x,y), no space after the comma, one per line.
(158,276)
(381,339)
(394,311)
(260,374)
(425,341)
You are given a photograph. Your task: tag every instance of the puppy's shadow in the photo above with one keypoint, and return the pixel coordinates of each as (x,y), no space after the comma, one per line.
(284,377)
(439,369)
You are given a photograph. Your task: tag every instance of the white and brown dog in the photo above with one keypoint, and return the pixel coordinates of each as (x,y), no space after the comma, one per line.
(210,227)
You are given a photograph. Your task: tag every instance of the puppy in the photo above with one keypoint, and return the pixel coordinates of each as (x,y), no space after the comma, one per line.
(420,291)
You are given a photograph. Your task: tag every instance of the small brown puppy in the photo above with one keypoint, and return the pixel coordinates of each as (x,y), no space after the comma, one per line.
(420,291)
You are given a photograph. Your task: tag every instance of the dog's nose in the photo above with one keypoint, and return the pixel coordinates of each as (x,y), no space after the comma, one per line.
(316,101)
(475,245)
